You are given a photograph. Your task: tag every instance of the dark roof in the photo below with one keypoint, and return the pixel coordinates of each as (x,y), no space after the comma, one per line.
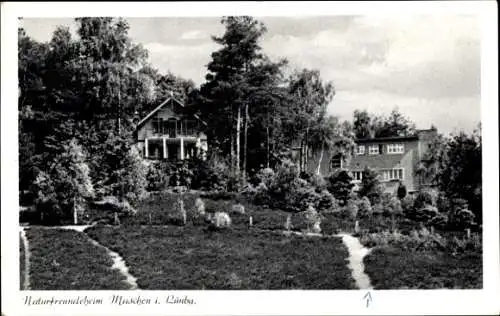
(421,133)
(384,139)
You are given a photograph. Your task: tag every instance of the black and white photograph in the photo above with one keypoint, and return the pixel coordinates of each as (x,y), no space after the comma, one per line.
(249,152)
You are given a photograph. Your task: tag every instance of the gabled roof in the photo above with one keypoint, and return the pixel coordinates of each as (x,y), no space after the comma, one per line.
(175,101)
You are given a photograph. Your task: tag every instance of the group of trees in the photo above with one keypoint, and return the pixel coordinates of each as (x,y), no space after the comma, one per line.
(80,96)
(367,125)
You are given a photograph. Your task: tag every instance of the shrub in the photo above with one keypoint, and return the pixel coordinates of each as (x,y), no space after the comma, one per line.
(462,219)
(300,196)
(439,221)
(421,239)
(158,175)
(211,174)
(426,213)
(327,203)
(394,206)
(351,209)
(261,195)
(370,186)
(318,182)
(423,199)
(307,221)
(182,175)
(238,209)
(340,185)
(407,204)
(265,176)
(364,207)
(199,208)
(401,192)
(219,220)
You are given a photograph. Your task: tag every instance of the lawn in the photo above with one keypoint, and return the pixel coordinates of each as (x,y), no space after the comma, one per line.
(164,258)
(67,260)
(392,267)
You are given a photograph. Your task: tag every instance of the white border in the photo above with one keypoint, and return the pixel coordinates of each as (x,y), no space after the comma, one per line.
(398,302)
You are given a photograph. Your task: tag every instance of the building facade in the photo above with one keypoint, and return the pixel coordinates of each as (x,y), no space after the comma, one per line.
(170,133)
(395,159)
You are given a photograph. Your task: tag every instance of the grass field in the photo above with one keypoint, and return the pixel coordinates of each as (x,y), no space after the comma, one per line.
(396,268)
(66,260)
(165,258)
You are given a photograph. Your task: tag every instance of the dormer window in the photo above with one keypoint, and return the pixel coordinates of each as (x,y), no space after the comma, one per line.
(395,148)
(373,150)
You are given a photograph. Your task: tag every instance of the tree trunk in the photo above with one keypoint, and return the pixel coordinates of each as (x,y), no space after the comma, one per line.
(238,138)
(267,145)
(318,170)
(245,139)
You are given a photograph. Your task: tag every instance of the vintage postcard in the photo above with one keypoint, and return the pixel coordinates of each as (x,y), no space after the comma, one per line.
(249,158)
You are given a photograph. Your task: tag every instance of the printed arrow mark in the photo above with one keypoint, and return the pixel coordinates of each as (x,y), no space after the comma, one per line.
(368,297)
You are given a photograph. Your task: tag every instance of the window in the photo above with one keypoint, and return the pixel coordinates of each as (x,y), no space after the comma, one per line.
(360,150)
(395,148)
(357,176)
(336,162)
(392,174)
(373,150)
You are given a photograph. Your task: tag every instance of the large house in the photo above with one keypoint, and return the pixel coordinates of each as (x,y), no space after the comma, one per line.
(395,159)
(170,132)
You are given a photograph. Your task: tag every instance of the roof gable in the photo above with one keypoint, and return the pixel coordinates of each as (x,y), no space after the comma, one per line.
(159,107)
(170,100)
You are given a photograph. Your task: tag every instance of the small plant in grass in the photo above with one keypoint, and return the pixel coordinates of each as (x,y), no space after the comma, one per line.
(238,209)
(198,213)
(313,220)
(288,223)
(219,220)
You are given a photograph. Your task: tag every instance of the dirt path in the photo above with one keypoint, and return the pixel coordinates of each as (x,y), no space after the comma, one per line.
(356,254)
(118,262)
(27,258)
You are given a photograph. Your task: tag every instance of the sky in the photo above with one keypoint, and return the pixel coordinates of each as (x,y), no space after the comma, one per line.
(428,66)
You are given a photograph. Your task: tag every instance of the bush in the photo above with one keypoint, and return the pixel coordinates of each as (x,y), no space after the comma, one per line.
(423,199)
(198,209)
(211,175)
(327,203)
(426,213)
(318,182)
(351,209)
(340,185)
(364,207)
(261,195)
(300,196)
(407,204)
(306,221)
(238,209)
(370,186)
(401,192)
(158,175)
(462,219)
(394,206)
(421,239)
(439,221)
(219,220)
(264,176)
(182,175)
